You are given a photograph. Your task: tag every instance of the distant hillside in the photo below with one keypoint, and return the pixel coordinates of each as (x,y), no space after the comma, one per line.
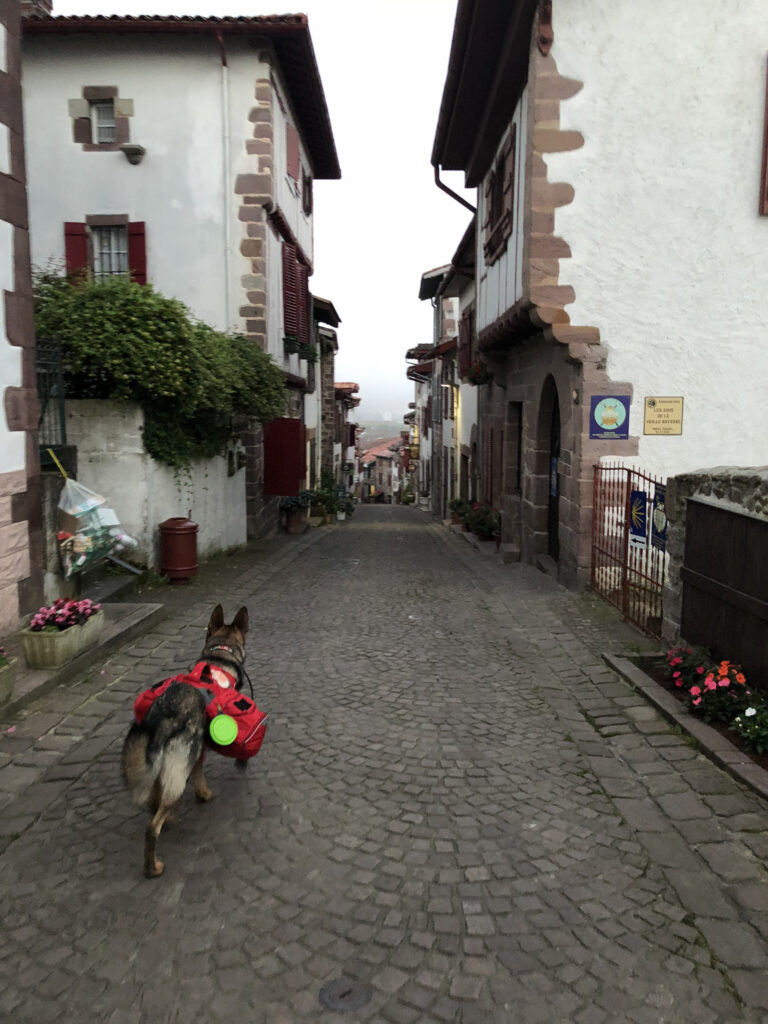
(379,430)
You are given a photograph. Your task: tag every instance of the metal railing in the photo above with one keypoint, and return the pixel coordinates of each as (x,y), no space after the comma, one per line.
(51,427)
(629,557)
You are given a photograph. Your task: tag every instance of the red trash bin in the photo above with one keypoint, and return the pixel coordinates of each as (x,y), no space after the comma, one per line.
(178,548)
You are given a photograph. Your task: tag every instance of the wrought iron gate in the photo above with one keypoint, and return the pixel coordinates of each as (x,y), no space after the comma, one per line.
(51,427)
(629,540)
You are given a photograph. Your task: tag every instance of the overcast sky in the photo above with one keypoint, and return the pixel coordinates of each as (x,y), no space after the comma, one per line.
(383,65)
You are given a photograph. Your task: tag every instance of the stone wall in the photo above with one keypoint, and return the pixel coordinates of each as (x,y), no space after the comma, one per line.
(735,489)
(21,547)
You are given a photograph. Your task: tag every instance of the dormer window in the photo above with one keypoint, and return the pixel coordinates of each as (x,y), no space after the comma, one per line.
(103,121)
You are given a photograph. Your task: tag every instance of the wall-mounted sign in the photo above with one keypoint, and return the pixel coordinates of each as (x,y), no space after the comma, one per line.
(638,521)
(663,416)
(609,418)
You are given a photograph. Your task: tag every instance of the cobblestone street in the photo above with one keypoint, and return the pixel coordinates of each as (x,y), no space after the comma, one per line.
(457,804)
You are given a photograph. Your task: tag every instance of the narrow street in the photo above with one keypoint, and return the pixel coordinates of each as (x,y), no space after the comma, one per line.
(458,808)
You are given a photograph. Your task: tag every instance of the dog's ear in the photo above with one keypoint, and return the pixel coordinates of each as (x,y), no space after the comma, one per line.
(217,620)
(241,621)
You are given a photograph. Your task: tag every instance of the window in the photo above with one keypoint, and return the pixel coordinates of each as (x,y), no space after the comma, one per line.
(103,121)
(500,200)
(101,118)
(295,296)
(292,152)
(306,193)
(110,251)
(106,245)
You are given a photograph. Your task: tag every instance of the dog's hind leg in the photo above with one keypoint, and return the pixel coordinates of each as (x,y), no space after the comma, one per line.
(153,867)
(202,792)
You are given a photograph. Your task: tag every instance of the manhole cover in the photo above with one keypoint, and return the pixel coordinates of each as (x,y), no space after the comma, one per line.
(344,995)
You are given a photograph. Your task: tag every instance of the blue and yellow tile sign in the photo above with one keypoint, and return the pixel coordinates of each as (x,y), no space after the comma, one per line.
(609,418)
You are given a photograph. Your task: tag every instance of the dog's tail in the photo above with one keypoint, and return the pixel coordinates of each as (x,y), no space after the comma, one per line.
(162,750)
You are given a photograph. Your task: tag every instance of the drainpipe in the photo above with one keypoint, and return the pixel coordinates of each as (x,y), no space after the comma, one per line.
(450,191)
(226,172)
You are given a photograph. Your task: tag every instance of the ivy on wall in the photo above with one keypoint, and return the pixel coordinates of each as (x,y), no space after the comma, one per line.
(122,340)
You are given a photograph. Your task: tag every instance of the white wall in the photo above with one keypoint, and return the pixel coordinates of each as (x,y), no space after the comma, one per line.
(12,443)
(501,284)
(143,492)
(178,189)
(670,257)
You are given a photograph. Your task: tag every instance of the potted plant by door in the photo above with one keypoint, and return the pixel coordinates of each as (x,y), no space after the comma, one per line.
(296,515)
(458,509)
(57,634)
(484,521)
(7,675)
(346,508)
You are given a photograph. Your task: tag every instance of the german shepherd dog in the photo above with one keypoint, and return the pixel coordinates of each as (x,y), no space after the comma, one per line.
(167,747)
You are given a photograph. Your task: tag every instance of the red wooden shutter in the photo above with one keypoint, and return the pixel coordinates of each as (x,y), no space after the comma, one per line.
(290,310)
(509,177)
(137,252)
(292,151)
(75,247)
(285,457)
(302,303)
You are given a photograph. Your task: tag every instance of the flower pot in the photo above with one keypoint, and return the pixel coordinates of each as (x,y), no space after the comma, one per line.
(54,649)
(456,519)
(341,516)
(7,679)
(296,521)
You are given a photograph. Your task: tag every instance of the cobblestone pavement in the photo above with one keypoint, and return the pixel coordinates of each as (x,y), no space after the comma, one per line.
(457,804)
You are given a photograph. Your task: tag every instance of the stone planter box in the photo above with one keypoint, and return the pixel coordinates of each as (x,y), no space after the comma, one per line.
(54,649)
(7,680)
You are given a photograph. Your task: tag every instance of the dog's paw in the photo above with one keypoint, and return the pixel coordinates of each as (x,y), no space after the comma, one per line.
(203,795)
(155,870)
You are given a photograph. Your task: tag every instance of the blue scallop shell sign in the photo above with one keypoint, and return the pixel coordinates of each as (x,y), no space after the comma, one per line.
(609,418)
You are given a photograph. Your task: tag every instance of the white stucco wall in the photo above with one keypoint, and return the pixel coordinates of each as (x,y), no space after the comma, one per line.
(12,443)
(500,285)
(144,493)
(176,84)
(669,253)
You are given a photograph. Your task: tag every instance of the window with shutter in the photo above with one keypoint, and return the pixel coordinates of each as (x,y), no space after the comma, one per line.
(137,251)
(302,303)
(500,200)
(306,193)
(292,152)
(76,247)
(290,304)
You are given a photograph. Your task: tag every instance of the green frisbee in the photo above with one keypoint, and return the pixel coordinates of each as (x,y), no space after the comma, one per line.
(223,730)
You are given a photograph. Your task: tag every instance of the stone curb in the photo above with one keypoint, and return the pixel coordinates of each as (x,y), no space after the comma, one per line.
(124,622)
(716,747)
(132,621)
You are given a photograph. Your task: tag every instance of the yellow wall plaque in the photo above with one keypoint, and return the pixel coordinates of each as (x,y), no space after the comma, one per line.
(663,416)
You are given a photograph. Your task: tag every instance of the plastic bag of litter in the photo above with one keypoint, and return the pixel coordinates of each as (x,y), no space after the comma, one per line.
(89,529)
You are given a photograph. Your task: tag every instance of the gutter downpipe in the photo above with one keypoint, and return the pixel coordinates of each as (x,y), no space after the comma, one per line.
(226,172)
(441,185)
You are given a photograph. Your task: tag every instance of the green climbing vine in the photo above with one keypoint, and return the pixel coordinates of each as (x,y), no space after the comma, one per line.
(125,341)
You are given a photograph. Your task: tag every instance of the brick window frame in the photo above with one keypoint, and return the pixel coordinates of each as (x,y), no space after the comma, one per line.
(500,200)
(81,113)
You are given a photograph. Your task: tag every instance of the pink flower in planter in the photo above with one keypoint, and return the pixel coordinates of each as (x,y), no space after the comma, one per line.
(724,682)
(696,701)
(695,690)
(710,683)
(675,675)
(700,670)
